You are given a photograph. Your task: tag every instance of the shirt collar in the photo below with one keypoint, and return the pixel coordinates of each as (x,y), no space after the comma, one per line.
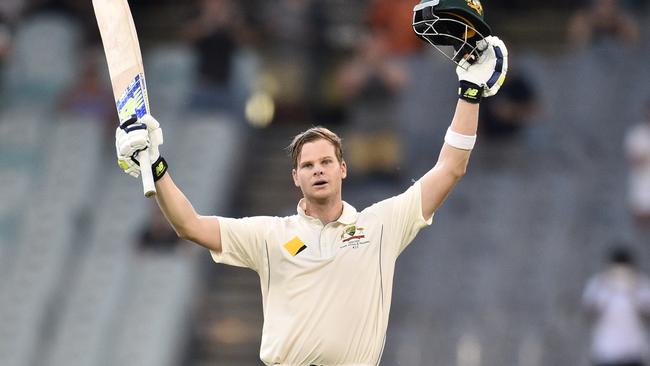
(348,216)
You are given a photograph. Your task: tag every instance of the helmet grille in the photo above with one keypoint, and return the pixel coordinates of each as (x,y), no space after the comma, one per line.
(448,29)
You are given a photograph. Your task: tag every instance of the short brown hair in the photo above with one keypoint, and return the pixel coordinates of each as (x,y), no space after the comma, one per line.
(313,134)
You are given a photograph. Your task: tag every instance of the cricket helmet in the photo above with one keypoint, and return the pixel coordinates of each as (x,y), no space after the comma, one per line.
(456,23)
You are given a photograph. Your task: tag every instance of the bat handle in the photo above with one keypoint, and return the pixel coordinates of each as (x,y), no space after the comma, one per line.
(147,176)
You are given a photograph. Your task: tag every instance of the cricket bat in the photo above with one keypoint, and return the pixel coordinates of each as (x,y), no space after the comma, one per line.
(124,59)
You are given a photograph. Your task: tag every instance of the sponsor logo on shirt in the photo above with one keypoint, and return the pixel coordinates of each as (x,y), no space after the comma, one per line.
(294,246)
(353,236)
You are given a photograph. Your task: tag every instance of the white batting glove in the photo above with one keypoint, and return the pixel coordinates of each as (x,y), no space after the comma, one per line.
(484,77)
(135,135)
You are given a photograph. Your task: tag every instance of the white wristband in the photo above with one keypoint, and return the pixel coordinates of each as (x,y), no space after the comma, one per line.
(460,141)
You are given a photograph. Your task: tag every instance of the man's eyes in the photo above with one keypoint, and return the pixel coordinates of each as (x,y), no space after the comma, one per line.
(310,165)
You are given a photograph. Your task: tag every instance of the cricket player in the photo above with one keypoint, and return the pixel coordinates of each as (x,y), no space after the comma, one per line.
(326,273)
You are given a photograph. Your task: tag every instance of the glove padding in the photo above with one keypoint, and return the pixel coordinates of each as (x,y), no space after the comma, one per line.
(135,135)
(489,72)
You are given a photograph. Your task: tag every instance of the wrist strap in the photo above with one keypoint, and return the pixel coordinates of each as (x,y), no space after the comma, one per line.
(159,168)
(460,141)
(470,92)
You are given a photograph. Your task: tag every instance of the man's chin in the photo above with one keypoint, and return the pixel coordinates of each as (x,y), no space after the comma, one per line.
(322,195)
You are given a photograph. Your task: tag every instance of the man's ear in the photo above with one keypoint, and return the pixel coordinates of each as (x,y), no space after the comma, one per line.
(294,175)
(344,169)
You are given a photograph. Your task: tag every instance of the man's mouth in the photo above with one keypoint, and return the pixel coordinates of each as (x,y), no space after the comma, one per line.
(320,183)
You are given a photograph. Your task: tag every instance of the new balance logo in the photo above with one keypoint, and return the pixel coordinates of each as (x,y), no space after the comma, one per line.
(471,92)
(160,168)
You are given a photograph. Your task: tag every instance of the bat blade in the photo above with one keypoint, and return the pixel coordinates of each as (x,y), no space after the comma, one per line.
(126,70)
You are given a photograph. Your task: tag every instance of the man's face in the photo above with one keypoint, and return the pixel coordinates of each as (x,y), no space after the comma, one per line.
(318,173)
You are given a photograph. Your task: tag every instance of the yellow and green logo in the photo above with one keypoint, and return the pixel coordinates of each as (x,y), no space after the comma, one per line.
(476,5)
(352,231)
(160,168)
(471,92)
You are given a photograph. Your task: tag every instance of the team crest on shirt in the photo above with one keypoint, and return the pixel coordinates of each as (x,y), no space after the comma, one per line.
(353,236)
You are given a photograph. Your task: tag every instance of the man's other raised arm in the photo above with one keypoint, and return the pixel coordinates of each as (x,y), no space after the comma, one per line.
(481,79)
(452,161)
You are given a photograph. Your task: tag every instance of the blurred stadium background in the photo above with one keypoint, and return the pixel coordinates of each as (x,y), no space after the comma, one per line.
(89,276)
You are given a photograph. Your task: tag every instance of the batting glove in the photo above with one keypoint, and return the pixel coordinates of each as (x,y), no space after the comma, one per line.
(135,135)
(484,77)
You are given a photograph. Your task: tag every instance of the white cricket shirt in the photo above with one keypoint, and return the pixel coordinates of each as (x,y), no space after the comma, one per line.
(326,289)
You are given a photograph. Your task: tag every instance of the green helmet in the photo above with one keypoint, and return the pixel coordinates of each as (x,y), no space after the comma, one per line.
(457,23)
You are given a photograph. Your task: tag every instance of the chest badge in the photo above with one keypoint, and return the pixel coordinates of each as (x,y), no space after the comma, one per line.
(294,246)
(352,236)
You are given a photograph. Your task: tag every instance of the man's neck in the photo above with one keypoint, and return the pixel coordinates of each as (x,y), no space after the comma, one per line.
(326,211)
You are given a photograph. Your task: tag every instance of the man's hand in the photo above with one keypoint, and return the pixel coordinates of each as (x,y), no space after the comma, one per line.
(484,77)
(135,135)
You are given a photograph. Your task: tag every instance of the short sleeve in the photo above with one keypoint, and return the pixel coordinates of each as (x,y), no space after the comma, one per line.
(243,241)
(402,215)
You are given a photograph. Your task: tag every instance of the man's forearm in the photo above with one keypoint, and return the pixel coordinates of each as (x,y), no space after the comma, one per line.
(465,122)
(188,224)
(175,206)
(465,119)
(452,161)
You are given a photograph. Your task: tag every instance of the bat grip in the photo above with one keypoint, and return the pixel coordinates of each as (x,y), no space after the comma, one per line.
(147,176)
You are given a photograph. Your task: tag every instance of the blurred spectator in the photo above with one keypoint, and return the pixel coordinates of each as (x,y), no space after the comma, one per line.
(602,20)
(636,5)
(215,34)
(507,113)
(71,8)
(90,96)
(158,236)
(618,301)
(11,10)
(370,82)
(637,150)
(393,20)
(5,43)
(297,50)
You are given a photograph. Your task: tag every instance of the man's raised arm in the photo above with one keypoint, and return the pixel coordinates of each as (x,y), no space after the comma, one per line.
(203,230)
(135,135)
(481,79)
